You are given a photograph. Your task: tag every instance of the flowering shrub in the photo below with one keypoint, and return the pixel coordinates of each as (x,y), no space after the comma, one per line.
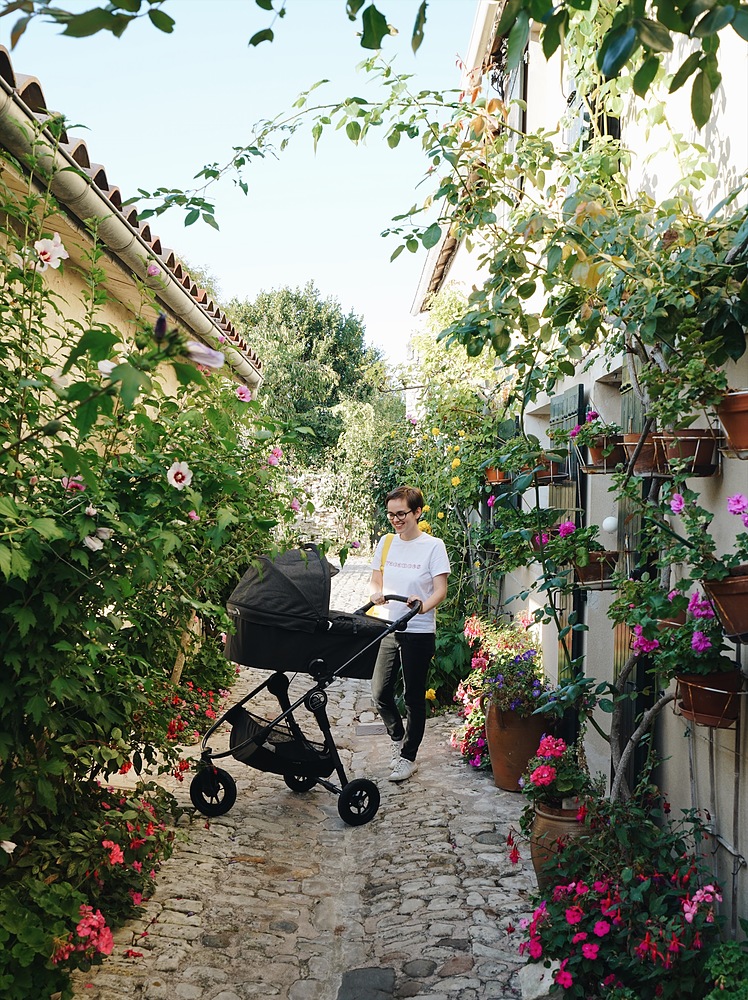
(506,670)
(695,546)
(566,543)
(633,906)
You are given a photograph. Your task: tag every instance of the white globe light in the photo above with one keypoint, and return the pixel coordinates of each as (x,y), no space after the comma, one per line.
(610,524)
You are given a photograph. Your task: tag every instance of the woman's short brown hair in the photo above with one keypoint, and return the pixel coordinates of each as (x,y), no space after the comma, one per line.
(411,496)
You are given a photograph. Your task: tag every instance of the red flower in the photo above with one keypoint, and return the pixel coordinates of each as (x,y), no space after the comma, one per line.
(543,775)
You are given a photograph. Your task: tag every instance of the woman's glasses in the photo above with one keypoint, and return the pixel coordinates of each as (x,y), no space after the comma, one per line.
(399,515)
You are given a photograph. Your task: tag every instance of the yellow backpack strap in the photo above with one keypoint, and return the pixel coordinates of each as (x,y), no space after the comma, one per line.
(385,550)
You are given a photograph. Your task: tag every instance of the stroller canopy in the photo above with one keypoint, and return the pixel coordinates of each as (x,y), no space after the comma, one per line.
(290,592)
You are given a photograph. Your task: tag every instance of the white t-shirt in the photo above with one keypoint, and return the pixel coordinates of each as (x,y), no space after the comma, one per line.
(410,568)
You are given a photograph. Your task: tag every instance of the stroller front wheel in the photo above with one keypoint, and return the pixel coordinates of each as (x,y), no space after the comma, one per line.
(358,802)
(213,791)
(299,782)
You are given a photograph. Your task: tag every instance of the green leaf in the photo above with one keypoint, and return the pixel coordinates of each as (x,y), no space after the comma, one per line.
(47,527)
(132,381)
(192,216)
(18,29)
(714,21)
(161,21)
(25,619)
(396,252)
(552,32)
(740,23)
(8,508)
(688,67)
(266,35)
(375,28)
(654,35)
(645,75)
(701,99)
(267,4)
(352,8)
(432,236)
(508,17)
(187,374)
(417,37)
(211,220)
(96,343)
(393,139)
(353,131)
(517,42)
(618,45)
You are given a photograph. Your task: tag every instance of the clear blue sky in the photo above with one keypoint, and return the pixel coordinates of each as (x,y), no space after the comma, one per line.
(157,107)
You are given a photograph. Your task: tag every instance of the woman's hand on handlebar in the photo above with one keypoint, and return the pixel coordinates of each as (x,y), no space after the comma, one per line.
(414,600)
(377,598)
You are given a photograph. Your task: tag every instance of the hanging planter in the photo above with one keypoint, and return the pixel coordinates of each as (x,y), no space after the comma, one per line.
(598,573)
(646,461)
(692,450)
(603,456)
(730,600)
(494,475)
(710,699)
(733,415)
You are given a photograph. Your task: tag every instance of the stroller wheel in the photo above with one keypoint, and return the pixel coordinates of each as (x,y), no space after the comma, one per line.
(299,782)
(213,791)
(358,802)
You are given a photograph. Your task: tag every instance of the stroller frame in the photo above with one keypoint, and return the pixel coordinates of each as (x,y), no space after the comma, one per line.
(280,746)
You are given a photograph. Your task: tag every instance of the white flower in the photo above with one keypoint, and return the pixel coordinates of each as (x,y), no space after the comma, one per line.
(91,511)
(106,367)
(51,252)
(93,543)
(203,355)
(104,533)
(179,475)
(8,846)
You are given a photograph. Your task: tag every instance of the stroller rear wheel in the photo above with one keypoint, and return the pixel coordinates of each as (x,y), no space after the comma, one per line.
(358,802)
(299,782)
(213,791)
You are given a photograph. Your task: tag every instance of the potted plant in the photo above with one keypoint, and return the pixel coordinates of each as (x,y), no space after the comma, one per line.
(568,545)
(695,655)
(508,681)
(633,909)
(732,411)
(724,576)
(602,441)
(555,783)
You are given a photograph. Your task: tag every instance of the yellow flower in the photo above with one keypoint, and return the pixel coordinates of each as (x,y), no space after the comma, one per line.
(456,447)
(425,526)
(419,454)
(440,515)
(455,480)
(426,508)
(431,695)
(461,433)
(477,563)
(435,431)
(411,440)
(456,463)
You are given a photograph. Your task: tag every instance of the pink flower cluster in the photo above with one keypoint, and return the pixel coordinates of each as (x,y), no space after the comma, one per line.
(739,505)
(641,644)
(709,895)
(275,456)
(93,933)
(566,528)
(550,746)
(473,629)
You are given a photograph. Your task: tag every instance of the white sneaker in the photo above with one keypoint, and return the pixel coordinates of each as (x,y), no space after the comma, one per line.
(403,769)
(397,746)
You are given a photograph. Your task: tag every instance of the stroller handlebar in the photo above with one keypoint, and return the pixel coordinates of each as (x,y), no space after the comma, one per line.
(411,613)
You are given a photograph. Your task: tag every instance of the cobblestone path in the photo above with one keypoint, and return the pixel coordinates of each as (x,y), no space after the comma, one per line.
(280,899)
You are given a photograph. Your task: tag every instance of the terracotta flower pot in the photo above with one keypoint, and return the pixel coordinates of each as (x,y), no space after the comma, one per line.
(551,827)
(598,461)
(512,741)
(733,415)
(730,600)
(710,699)
(646,462)
(494,475)
(598,573)
(694,450)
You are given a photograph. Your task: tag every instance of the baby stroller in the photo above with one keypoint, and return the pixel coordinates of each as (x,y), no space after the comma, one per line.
(283,623)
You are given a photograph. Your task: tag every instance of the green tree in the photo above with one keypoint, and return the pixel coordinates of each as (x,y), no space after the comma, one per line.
(315,357)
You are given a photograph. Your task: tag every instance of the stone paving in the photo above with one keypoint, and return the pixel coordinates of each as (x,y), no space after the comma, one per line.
(280,899)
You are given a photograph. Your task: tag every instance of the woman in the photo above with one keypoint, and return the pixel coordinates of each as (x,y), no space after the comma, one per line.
(409,563)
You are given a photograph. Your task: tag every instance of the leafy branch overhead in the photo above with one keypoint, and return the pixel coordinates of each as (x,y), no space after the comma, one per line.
(118,15)
(637,39)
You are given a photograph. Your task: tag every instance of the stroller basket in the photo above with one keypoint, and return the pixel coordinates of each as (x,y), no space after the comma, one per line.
(281,752)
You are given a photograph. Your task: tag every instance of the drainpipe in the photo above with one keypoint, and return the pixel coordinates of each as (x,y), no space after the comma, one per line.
(76,192)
